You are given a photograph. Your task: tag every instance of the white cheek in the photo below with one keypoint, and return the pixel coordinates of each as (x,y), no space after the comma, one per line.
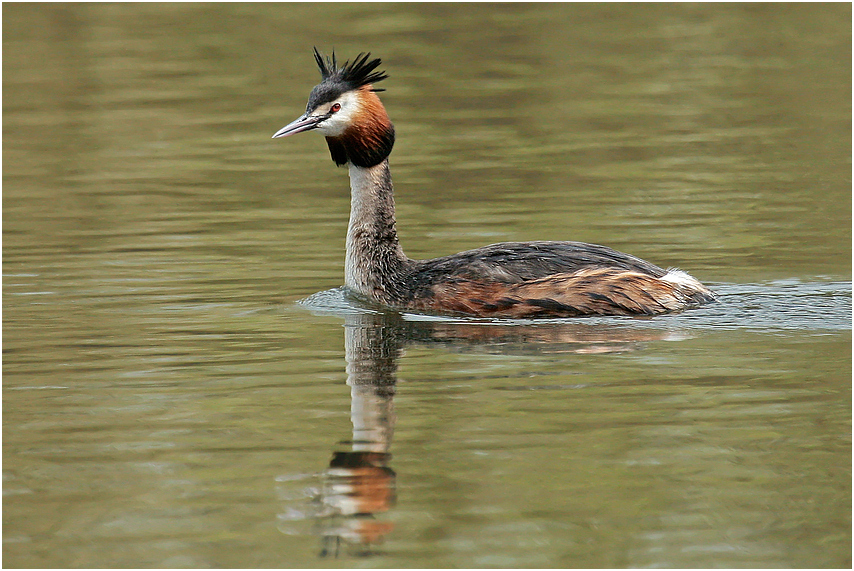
(333,126)
(338,123)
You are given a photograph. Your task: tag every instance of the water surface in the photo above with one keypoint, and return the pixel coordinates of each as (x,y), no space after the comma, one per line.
(186,385)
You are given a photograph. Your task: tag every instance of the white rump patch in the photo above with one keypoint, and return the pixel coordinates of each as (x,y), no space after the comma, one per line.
(682,279)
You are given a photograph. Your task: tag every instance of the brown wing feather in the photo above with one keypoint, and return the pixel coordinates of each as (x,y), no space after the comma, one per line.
(590,291)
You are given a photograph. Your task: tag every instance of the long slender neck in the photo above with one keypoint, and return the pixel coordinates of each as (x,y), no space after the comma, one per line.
(374,256)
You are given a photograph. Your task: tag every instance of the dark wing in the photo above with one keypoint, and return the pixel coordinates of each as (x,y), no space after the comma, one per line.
(535,279)
(516,262)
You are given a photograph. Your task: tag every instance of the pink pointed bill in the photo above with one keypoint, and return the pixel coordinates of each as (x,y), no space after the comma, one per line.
(304,123)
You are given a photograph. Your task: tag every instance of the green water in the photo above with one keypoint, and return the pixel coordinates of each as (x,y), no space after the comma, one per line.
(184,385)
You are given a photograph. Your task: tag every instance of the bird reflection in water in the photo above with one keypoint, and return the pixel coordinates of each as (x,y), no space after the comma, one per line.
(359,486)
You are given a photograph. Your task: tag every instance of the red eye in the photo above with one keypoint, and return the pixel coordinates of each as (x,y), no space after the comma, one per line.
(335,108)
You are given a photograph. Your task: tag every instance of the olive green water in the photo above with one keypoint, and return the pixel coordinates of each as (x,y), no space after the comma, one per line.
(184,385)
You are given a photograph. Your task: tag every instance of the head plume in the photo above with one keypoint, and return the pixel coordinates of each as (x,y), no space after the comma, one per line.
(350,75)
(369,138)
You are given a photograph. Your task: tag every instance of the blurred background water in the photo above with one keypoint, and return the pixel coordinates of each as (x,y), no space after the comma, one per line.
(185,385)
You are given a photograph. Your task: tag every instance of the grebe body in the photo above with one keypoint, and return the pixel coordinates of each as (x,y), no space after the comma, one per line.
(512,279)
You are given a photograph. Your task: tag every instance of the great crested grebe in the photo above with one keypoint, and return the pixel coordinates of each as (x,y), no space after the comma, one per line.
(511,279)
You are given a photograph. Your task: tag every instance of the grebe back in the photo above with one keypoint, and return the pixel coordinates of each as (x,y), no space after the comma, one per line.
(511,279)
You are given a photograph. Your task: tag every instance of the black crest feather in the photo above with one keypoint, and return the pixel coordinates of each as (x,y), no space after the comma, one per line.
(372,143)
(351,75)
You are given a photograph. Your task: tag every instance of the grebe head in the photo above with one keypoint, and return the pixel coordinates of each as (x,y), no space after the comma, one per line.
(345,108)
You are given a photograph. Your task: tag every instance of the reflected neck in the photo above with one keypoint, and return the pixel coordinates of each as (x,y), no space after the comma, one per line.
(374,256)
